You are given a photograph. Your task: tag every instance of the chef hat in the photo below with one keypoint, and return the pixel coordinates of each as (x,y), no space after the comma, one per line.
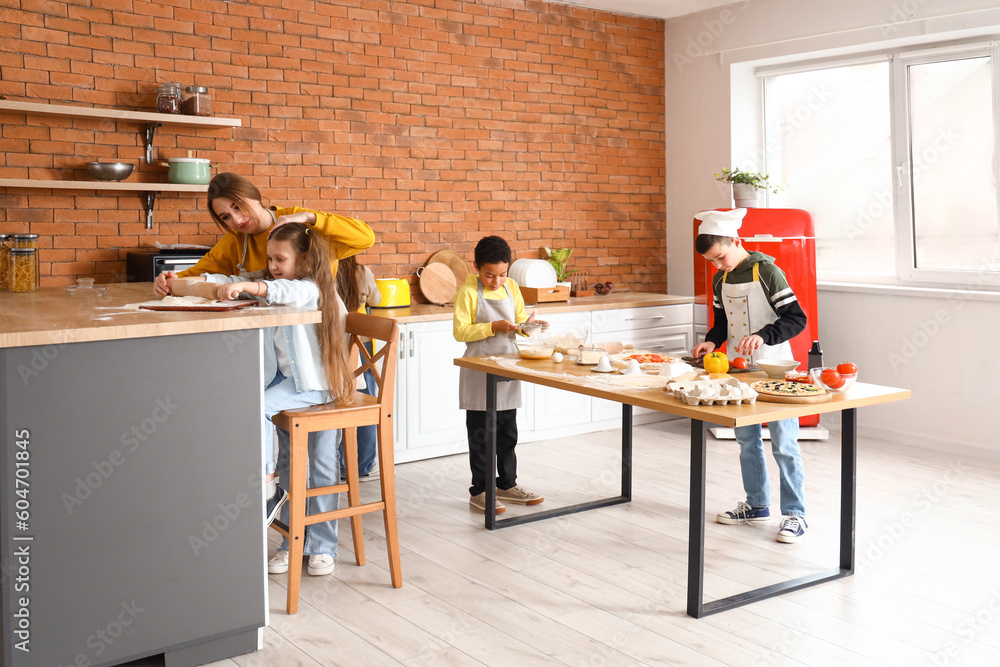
(721,223)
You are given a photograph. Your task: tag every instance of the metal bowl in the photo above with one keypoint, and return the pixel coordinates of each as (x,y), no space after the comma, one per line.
(109,171)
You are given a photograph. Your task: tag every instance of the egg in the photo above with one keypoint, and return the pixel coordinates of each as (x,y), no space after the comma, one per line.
(557,357)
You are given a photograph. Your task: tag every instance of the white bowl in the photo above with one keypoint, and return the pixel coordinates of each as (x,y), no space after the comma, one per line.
(776,367)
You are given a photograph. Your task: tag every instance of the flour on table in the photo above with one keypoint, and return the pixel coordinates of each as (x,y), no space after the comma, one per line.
(633,381)
(623,382)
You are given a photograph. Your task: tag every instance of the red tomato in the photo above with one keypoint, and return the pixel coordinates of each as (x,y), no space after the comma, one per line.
(831,378)
(847,368)
(739,362)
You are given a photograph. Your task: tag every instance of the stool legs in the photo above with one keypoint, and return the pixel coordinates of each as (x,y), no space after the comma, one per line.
(386,463)
(354,490)
(298,472)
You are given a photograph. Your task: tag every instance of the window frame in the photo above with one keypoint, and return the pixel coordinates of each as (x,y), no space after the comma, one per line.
(907,274)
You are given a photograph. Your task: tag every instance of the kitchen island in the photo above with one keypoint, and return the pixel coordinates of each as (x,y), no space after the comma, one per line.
(130,475)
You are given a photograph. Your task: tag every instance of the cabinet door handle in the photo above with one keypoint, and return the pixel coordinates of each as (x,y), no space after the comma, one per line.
(402,345)
(411,344)
(639,319)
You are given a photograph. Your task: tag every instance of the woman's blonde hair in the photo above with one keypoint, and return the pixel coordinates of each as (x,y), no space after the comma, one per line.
(233,187)
(314,262)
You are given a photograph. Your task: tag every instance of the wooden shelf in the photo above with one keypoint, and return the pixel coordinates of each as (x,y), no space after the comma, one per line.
(95,113)
(149,119)
(100,185)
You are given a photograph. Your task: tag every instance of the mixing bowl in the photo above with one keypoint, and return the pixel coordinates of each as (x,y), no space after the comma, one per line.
(776,367)
(534,348)
(846,379)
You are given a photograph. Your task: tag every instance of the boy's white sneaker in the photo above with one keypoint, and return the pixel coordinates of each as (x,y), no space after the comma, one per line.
(792,529)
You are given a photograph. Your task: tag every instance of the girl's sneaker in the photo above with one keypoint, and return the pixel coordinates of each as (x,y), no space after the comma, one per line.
(792,529)
(278,564)
(320,564)
(744,514)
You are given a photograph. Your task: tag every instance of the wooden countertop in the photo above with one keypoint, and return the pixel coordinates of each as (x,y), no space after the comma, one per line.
(551,374)
(427,312)
(50,316)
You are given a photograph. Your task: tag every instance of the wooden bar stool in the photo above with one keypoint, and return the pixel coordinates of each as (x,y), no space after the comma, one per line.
(365,410)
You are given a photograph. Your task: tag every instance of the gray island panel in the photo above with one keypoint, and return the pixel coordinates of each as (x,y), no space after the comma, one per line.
(131,488)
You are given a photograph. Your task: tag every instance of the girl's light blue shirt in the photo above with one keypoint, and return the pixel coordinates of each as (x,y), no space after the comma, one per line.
(300,340)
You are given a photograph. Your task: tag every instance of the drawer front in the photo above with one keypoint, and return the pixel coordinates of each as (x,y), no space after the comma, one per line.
(630,319)
(676,340)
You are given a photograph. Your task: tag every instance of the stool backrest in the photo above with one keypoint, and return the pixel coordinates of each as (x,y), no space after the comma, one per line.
(383,363)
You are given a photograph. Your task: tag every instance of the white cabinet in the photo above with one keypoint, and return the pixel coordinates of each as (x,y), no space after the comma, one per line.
(428,421)
(663,329)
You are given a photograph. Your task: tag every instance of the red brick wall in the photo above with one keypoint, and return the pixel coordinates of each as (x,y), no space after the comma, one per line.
(435,121)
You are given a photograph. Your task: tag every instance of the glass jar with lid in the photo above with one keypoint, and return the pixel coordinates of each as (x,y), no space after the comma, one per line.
(197,101)
(29,242)
(4,264)
(23,276)
(169,98)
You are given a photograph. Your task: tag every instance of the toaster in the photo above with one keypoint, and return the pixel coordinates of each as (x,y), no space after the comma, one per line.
(395,293)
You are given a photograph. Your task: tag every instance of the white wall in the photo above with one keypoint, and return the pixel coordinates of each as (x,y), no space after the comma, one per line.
(711,105)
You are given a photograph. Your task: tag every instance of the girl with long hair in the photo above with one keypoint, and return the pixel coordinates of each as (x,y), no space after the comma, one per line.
(308,365)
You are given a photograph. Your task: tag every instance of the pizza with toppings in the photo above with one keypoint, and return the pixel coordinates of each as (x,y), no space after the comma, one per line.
(784,388)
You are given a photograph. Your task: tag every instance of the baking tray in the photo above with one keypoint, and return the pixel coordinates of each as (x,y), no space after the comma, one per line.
(213,307)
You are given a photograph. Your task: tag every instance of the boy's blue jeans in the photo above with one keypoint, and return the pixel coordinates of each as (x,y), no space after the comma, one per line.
(785,448)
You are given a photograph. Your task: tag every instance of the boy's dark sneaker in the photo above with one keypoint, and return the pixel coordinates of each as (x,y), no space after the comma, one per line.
(274,504)
(792,529)
(744,514)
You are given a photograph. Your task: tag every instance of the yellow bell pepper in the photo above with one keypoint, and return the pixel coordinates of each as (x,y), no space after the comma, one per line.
(716,362)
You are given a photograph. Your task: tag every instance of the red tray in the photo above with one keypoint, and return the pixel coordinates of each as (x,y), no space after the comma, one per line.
(215,307)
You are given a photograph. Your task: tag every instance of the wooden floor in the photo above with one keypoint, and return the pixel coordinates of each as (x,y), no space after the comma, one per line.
(607,587)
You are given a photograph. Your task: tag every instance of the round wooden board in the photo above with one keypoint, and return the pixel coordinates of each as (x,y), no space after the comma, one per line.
(821,398)
(453,261)
(437,283)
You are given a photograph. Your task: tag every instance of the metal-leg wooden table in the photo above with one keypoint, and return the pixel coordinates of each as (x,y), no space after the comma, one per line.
(492,522)
(696,607)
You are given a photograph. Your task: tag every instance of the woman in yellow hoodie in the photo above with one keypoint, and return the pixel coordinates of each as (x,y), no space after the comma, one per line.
(235,205)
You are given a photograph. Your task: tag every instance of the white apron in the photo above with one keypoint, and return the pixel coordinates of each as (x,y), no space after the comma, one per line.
(748,311)
(472,384)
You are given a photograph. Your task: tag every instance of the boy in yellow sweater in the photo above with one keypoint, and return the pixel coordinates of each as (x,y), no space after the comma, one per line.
(488,308)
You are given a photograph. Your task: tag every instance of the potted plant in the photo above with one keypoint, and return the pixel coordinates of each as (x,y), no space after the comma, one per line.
(559,259)
(745,186)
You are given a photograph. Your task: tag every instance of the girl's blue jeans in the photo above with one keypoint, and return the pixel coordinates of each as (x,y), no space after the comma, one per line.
(324,462)
(785,448)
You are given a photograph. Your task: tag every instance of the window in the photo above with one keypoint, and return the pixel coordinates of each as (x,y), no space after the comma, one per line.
(896,159)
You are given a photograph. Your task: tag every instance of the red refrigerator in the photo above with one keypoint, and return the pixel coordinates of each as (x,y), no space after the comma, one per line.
(786,234)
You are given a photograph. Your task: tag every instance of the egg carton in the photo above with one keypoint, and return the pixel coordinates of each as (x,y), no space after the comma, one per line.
(690,392)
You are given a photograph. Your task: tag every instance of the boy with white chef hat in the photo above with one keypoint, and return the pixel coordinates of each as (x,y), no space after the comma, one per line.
(756,314)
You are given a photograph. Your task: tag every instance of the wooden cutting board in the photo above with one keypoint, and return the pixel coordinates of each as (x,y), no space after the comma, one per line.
(437,283)
(821,398)
(453,261)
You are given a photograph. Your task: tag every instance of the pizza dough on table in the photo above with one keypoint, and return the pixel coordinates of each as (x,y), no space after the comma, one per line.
(631,381)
